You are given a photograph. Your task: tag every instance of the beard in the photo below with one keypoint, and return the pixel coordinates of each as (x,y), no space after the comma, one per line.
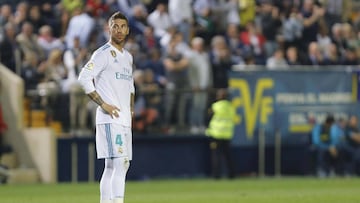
(118,41)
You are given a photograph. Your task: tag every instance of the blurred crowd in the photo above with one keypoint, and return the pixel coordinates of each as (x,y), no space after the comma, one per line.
(182,49)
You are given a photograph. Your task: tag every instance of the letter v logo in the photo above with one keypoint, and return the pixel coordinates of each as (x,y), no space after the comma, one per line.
(261,106)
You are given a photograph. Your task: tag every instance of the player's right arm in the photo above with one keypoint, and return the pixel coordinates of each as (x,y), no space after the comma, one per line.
(93,67)
(110,109)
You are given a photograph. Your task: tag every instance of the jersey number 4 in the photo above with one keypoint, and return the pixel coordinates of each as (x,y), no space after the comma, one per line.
(118,140)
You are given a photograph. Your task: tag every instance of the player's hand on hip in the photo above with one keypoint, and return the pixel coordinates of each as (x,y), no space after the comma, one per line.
(111,109)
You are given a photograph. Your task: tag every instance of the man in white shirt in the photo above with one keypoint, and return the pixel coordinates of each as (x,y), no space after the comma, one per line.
(181,14)
(80,25)
(200,81)
(107,79)
(160,20)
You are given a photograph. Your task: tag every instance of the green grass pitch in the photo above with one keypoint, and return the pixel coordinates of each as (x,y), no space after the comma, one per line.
(243,190)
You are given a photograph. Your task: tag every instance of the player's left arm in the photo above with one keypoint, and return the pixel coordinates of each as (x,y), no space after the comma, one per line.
(132,101)
(132,89)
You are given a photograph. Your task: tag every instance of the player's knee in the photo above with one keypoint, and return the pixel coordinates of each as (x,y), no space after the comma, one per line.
(122,163)
(126,163)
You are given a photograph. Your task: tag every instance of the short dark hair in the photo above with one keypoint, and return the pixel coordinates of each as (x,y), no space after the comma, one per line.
(118,15)
(329,119)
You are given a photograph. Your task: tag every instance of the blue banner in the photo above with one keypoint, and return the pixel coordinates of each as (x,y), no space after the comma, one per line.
(289,102)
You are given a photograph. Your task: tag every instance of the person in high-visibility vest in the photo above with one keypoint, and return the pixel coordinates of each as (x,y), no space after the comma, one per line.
(221,131)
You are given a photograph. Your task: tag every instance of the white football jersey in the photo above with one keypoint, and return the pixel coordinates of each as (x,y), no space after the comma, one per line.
(109,72)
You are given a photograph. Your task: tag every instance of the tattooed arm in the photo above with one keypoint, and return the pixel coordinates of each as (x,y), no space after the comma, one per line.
(110,109)
(96,98)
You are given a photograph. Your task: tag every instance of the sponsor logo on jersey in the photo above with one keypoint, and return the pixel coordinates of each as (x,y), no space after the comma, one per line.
(124,74)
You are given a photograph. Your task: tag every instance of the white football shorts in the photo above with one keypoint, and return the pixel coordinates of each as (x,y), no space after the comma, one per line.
(113,140)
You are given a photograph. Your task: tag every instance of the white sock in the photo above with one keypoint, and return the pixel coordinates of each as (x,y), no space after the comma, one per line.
(118,200)
(105,182)
(121,166)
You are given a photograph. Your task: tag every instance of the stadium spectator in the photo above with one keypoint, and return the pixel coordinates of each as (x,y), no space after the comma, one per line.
(31,72)
(160,20)
(255,40)
(138,20)
(139,102)
(27,41)
(200,81)
(47,41)
(126,7)
(350,38)
(153,97)
(247,11)
(6,15)
(292,56)
(314,57)
(323,38)
(221,62)
(221,131)
(54,88)
(9,49)
(74,59)
(134,48)
(165,40)
(102,36)
(181,15)
(96,8)
(200,5)
(288,6)
(312,15)
(35,18)
(338,132)
(336,11)
(205,26)
(147,103)
(176,66)
(81,25)
(270,23)
(231,11)
(351,148)
(56,70)
(154,62)
(350,58)
(237,48)
(71,5)
(64,18)
(277,61)
(149,41)
(331,56)
(53,17)
(337,37)
(292,29)
(180,45)
(325,143)
(21,14)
